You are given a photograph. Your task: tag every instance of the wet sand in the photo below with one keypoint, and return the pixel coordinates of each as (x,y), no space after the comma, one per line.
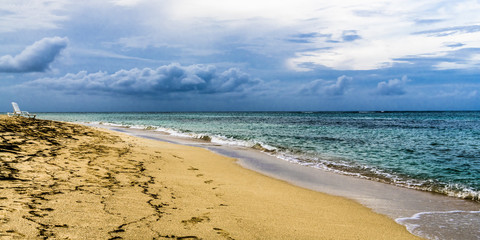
(61,180)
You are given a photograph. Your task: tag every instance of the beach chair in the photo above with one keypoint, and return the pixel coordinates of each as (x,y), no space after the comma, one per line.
(17,112)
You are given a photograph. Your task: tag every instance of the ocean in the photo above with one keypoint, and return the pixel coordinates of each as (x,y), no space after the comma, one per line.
(429,151)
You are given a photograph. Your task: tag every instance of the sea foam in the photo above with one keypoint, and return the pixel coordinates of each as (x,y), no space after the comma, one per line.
(444,225)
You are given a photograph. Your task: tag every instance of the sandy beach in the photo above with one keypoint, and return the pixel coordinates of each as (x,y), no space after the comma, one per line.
(67,181)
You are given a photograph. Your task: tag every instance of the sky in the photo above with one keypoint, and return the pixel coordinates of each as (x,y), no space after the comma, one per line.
(226,55)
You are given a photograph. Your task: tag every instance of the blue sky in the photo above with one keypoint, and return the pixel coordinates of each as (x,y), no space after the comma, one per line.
(225,55)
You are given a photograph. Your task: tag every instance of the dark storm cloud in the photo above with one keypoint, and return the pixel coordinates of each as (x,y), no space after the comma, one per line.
(173,78)
(34,58)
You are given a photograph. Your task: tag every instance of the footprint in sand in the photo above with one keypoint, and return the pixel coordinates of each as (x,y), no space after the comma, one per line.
(223,233)
(195,220)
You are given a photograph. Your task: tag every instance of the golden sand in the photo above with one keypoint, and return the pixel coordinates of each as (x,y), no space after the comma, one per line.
(66,181)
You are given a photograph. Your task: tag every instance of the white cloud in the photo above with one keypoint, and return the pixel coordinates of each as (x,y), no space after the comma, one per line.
(472,62)
(20,15)
(126,3)
(388,33)
(350,35)
(392,86)
(34,58)
(451,65)
(328,88)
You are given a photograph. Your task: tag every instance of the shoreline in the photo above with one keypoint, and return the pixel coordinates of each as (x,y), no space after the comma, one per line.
(400,167)
(64,180)
(405,206)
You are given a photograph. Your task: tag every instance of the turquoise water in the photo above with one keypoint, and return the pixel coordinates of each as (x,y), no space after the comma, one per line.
(431,151)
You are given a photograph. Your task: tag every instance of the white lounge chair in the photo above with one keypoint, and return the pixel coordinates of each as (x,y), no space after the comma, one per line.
(17,112)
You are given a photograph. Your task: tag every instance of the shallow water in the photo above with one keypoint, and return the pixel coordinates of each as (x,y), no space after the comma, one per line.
(444,224)
(431,151)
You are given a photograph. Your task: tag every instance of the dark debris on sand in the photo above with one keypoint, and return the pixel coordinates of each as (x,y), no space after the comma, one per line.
(68,181)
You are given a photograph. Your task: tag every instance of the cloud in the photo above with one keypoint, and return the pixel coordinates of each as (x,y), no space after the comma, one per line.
(428,21)
(350,35)
(302,37)
(466,61)
(34,58)
(392,87)
(457,93)
(126,3)
(451,30)
(106,54)
(454,45)
(173,78)
(385,32)
(329,88)
(24,15)
(342,36)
